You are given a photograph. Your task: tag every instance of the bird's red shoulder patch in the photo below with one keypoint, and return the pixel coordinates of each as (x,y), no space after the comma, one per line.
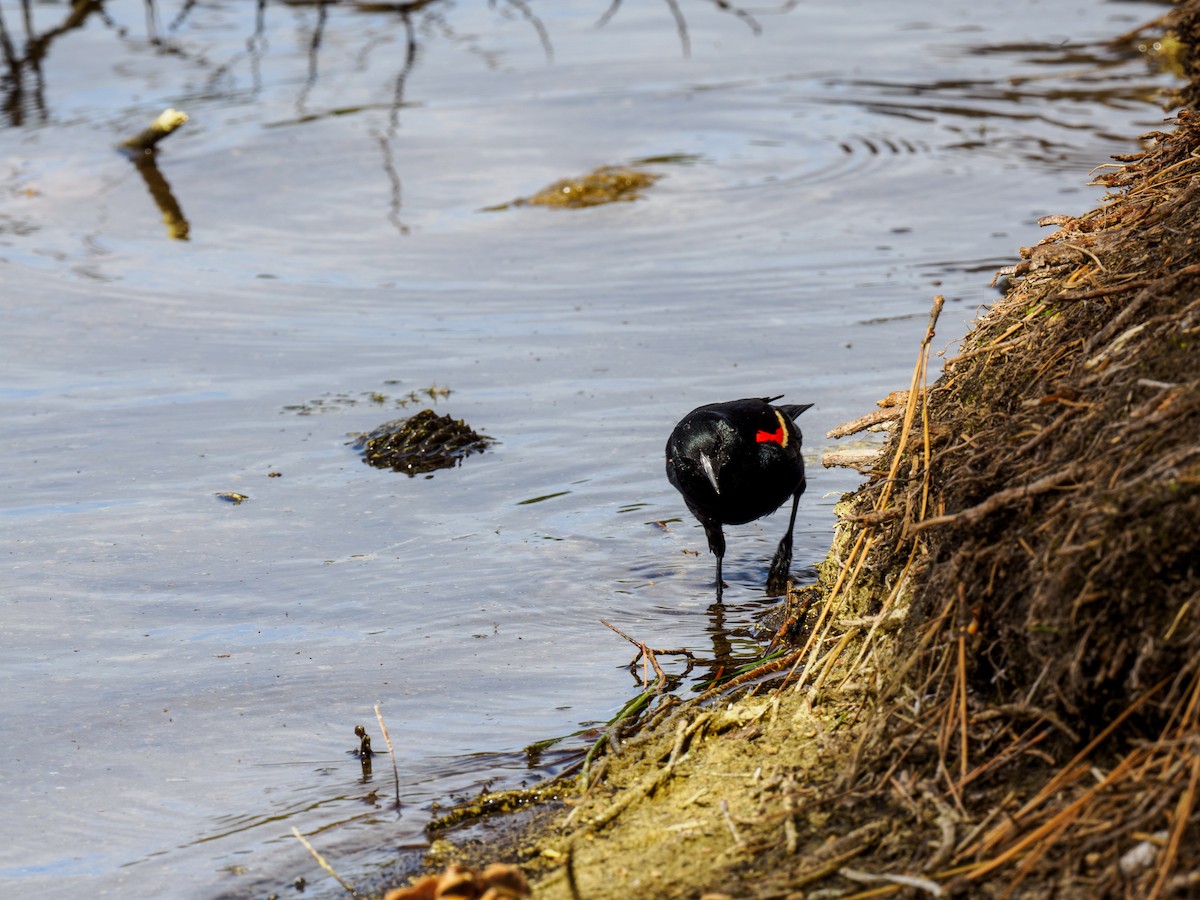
(778,436)
(773,437)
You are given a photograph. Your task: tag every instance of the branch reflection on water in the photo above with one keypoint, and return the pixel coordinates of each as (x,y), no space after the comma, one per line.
(24,89)
(160,191)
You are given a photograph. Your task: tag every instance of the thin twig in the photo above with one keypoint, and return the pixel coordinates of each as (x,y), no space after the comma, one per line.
(324,865)
(572,883)
(923,884)
(962,702)
(1183,812)
(730,824)
(391,752)
(862,423)
(999,500)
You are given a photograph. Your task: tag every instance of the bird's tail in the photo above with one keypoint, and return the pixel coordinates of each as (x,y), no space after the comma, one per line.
(792,410)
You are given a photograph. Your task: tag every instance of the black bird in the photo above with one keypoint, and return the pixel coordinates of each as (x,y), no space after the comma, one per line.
(736,462)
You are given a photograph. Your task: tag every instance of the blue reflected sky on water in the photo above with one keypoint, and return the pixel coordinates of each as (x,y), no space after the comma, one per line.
(183,675)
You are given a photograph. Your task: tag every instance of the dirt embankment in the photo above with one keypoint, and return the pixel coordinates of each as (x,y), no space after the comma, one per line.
(997,690)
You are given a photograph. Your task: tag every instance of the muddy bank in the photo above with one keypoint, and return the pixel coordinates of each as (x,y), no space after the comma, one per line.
(994,688)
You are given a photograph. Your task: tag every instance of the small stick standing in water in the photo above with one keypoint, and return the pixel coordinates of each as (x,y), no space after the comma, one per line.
(167,122)
(141,152)
(392,752)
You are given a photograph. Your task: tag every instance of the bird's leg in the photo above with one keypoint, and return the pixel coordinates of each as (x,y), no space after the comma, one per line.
(781,565)
(716,543)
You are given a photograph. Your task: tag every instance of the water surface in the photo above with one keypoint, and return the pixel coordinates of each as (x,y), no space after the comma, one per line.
(182,675)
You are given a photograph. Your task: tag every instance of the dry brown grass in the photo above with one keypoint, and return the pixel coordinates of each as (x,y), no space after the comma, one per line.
(1052,507)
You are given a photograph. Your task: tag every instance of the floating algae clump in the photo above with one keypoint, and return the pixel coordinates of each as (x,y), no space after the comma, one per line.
(607,184)
(422,443)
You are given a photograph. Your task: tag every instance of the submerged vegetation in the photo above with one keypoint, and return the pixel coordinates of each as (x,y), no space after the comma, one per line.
(607,184)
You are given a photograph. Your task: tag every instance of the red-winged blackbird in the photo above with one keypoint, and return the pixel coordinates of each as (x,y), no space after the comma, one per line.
(736,462)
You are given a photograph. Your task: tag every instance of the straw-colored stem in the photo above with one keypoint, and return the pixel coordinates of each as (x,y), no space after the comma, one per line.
(324,865)
(391,752)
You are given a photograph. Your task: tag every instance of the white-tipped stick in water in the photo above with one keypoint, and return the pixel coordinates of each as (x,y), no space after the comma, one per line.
(167,122)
